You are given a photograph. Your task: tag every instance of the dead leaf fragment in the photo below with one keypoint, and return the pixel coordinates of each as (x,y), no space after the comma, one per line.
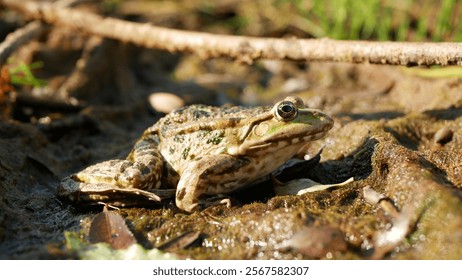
(110,227)
(304,185)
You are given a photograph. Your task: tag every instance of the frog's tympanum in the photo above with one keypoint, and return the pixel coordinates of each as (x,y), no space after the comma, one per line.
(203,152)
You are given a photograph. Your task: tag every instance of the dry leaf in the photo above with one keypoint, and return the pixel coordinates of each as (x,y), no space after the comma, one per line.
(110,227)
(305,185)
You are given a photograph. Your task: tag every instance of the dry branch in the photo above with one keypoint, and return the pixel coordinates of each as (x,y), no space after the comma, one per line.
(23,35)
(243,48)
(18,38)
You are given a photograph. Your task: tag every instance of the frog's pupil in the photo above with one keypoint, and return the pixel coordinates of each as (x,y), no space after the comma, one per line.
(286,110)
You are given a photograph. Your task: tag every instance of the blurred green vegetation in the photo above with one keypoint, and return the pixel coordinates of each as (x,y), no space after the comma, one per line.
(400,20)
(21,73)
(397,20)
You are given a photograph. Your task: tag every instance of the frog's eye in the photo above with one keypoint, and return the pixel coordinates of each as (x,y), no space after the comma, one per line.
(286,111)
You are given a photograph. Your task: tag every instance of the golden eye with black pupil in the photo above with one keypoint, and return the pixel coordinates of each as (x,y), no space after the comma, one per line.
(286,111)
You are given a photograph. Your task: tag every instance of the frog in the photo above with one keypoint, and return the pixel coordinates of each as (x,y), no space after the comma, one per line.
(200,154)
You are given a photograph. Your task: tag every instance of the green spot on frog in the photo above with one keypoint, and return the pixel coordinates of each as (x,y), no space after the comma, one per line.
(179,138)
(185,153)
(216,137)
(201,134)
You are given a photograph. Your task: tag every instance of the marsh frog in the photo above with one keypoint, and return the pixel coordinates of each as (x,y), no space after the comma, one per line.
(201,153)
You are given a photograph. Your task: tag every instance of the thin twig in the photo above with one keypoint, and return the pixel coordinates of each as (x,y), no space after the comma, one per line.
(28,32)
(246,49)
(18,38)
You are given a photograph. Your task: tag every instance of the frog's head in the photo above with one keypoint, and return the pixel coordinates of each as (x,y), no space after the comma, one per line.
(288,124)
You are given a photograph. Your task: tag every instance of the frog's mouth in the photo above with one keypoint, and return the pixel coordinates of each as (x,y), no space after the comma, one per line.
(276,142)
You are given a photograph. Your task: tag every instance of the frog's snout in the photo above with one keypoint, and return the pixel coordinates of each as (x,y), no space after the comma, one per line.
(325,121)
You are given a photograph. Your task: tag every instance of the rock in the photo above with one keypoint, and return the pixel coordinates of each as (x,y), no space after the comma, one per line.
(165,102)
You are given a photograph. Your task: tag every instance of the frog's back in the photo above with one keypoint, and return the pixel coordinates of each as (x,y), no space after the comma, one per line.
(190,133)
(186,116)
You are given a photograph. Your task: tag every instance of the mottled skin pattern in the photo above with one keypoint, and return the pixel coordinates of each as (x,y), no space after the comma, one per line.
(203,152)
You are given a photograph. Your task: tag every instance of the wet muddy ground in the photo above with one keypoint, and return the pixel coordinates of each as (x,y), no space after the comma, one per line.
(397,132)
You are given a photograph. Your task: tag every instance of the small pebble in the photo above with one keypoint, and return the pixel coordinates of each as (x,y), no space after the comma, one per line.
(165,102)
(443,135)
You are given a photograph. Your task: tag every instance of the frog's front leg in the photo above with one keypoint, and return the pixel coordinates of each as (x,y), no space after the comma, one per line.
(211,175)
(114,180)
(142,169)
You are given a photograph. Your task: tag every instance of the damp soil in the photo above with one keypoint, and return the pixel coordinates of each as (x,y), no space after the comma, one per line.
(395,131)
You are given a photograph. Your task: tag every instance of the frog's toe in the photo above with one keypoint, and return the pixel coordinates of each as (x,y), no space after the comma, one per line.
(204,203)
(217,200)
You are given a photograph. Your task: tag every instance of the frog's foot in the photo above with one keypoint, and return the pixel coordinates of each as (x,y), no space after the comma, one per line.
(117,182)
(211,176)
(91,194)
(122,174)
